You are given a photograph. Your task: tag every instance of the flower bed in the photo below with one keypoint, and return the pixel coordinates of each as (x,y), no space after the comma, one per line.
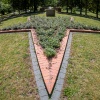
(50,31)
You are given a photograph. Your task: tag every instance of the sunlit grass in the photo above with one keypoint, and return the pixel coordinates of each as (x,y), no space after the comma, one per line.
(82,80)
(16,75)
(86,21)
(13,21)
(22,19)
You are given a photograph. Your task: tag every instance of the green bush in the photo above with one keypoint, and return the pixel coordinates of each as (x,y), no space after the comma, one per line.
(49,52)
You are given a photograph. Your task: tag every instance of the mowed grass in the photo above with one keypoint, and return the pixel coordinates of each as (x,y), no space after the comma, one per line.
(13,21)
(83,20)
(23,18)
(16,75)
(82,81)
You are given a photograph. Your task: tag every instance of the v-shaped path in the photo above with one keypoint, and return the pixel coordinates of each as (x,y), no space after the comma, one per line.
(49,68)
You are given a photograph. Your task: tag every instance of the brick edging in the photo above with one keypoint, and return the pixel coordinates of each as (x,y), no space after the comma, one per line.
(71,30)
(19,30)
(83,30)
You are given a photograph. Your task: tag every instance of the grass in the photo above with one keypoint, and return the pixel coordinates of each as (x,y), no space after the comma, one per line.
(16,79)
(22,19)
(13,21)
(82,80)
(81,19)
(16,76)
(51,30)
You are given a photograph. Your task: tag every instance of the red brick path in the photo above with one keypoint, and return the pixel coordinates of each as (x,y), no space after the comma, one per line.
(49,68)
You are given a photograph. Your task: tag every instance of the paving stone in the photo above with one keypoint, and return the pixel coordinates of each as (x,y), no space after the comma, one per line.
(56,95)
(60,81)
(66,56)
(35,64)
(43,93)
(38,77)
(61,75)
(34,57)
(36,72)
(35,68)
(64,64)
(58,87)
(44,98)
(66,52)
(63,70)
(41,88)
(40,83)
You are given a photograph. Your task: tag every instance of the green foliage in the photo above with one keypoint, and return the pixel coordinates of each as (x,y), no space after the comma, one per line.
(4,8)
(50,31)
(49,52)
(69,92)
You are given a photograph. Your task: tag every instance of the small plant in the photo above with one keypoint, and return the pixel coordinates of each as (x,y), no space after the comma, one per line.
(49,52)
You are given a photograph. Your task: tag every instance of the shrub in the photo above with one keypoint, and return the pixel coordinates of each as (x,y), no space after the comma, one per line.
(49,52)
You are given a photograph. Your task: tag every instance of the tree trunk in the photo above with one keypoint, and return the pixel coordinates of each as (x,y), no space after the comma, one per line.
(86,5)
(35,6)
(67,6)
(97,8)
(71,10)
(72,5)
(80,7)
(19,11)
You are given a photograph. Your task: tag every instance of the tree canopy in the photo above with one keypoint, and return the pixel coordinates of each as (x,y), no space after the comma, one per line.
(24,5)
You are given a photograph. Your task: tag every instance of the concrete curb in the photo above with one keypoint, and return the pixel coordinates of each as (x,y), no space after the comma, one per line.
(62,73)
(40,84)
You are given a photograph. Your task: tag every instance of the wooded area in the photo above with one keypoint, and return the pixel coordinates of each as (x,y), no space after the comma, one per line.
(7,6)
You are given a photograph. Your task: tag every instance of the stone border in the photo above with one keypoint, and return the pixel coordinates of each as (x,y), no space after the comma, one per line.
(40,84)
(62,73)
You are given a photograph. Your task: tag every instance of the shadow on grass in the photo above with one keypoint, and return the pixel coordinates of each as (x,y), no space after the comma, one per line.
(85,16)
(37,13)
(19,15)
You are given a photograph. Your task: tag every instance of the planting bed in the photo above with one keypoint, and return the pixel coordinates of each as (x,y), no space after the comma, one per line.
(50,40)
(49,67)
(50,31)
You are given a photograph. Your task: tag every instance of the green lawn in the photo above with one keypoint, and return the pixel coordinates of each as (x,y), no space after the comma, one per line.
(16,74)
(86,21)
(82,80)
(13,21)
(22,19)
(83,73)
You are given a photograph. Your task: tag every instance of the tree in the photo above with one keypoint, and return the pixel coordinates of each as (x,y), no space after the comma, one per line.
(80,7)
(86,6)
(97,7)
(4,8)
